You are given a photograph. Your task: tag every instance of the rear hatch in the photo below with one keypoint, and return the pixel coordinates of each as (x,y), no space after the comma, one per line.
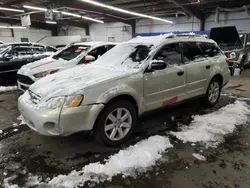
(227,38)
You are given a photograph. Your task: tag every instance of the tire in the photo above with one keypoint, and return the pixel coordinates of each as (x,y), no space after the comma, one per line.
(212,97)
(108,119)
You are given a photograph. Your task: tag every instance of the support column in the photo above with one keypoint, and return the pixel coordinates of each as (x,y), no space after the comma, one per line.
(87,29)
(202,23)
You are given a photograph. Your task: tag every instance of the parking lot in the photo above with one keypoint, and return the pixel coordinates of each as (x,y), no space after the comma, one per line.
(29,159)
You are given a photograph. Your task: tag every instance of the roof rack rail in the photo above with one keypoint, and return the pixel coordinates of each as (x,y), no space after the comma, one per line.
(186,35)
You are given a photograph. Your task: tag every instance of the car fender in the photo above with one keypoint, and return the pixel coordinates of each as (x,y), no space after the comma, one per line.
(216,70)
(120,90)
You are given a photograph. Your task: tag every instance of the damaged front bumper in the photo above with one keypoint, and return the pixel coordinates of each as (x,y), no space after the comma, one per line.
(64,122)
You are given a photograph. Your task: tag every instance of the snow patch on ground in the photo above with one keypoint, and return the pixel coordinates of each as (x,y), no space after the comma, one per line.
(7,88)
(235,97)
(211,128)
(127,162)
(21,121)
(199,157)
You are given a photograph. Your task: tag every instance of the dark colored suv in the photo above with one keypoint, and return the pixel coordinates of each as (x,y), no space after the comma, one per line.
(235,46)
(13,56)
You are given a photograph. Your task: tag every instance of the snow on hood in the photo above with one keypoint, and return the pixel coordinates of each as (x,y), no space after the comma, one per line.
(73,80)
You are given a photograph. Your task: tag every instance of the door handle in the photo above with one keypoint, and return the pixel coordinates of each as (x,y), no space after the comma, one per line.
(180,73)
(208,67)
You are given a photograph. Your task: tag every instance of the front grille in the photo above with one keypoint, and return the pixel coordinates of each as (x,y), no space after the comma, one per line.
(34,97)
(24,79)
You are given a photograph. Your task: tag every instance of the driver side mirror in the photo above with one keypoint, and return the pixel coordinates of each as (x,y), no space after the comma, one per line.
(157,65)
(90,58)
(87,59)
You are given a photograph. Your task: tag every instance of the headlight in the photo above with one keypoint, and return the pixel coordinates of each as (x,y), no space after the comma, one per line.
(45,73)
(233,55)
(59,102)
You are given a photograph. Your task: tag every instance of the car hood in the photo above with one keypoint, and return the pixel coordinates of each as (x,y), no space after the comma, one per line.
(42,65)
(226,37)
(75,80)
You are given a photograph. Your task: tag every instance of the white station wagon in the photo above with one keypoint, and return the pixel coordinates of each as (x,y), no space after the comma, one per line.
(134,77)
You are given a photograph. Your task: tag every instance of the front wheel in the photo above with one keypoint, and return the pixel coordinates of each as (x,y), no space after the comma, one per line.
(213,93)
(116,123)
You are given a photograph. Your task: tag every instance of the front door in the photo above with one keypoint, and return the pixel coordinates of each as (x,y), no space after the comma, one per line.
(164,87)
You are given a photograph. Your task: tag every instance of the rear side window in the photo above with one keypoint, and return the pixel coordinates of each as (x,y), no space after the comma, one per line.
(192,51)
(210,49)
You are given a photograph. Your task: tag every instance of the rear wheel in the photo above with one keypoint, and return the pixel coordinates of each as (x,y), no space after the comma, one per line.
(116,123)
(213,93)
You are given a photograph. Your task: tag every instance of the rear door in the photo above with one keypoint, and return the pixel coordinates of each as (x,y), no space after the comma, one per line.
(163,87)
(198,67)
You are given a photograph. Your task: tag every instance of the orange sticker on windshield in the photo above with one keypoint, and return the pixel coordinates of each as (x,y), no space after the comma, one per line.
(78,51)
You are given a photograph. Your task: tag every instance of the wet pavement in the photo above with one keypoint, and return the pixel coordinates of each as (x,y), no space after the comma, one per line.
(23,151)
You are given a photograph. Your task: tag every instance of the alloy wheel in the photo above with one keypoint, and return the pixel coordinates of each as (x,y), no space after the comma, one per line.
(118,123)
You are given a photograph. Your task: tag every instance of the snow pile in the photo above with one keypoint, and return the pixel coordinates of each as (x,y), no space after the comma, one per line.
(199,157)
(7,88)
(211,128)
(138,157)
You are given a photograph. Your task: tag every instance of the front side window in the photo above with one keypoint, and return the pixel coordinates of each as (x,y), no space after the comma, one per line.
(170,54)
(191,51)
(22,50)
(71,52)
(97,52)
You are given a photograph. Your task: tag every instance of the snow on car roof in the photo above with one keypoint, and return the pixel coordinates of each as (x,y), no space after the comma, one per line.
(94,43)
(156,40)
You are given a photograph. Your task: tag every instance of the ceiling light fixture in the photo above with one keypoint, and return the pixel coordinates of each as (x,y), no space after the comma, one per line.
(125,11)
(35,8)
(92,19)
(11,9)
(64,13)
(12,27)
(55,11)
(71,14)
(50,22)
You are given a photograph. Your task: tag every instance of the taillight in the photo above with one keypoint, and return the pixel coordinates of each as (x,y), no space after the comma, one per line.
(227,60)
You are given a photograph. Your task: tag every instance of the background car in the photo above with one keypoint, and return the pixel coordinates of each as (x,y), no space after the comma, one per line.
(13,56)
(76,54)
(135,77)
(235,46)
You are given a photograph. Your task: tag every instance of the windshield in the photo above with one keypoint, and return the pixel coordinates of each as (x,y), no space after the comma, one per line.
(71,52)
(125,55)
